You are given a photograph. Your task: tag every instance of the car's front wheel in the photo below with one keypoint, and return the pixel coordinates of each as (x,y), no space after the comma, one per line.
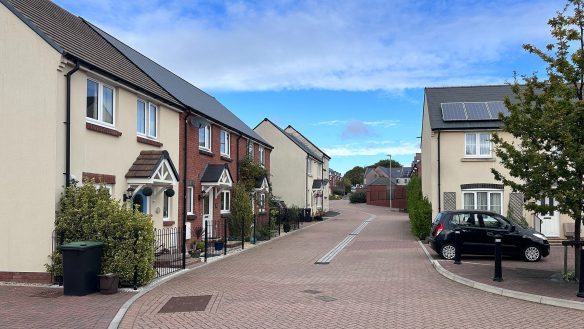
(448,251)
(532,253)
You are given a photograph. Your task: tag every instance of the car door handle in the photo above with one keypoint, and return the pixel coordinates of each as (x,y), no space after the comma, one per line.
(466,231)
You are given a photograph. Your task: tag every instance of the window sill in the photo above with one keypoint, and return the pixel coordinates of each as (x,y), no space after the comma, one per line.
(167,222)
(205,152)
(226,158)
(225,214)
(102,129)
(191,216)
(489,159)
(148,141)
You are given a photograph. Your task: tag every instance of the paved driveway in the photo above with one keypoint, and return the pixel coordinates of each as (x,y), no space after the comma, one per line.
(381,279)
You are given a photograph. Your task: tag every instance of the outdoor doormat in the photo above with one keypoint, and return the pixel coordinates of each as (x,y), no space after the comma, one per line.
(186,304)
(311,291)
(49,293)
(326,298)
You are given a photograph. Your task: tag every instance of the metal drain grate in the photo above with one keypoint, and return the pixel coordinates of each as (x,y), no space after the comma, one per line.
(52,293)
(326,298)
(186,304)
(311,291)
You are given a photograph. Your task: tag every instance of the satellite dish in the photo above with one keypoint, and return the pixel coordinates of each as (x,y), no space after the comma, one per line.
(197,121)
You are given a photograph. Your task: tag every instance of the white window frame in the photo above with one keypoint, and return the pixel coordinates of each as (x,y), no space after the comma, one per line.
(99,120)
(319,169)
(489,192)
(262,203)
(168,201)
(309,166)
(225,207)
(147,109)
(250,149)
(206,138)
(226,142)
(190,210)
(261,155)
(477,148)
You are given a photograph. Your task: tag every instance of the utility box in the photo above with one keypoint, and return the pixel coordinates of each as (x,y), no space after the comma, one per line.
(81,266)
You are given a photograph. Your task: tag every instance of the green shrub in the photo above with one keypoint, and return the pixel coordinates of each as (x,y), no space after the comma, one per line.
(240,211)
(292,215)
(87,213)
(419,209)
(358,197)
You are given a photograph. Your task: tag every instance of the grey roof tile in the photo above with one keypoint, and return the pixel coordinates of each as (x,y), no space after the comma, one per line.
(435,96)
(185,92)
(79,40)
(213,172)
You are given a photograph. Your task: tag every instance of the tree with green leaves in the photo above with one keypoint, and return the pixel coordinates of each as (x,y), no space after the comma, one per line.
(240,210)
(355,175)
(387,163)
(545,157)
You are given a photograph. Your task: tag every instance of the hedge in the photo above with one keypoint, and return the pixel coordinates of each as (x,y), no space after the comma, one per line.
(358,197)
(419,209)
(88,212)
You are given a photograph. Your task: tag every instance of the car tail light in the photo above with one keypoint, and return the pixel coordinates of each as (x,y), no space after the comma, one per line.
(438,229)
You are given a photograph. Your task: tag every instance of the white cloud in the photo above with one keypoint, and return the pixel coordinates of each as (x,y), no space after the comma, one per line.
(346,45)
(361,149)
(379,123)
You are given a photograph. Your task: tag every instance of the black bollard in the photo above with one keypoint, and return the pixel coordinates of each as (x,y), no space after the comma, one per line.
(206,239)
(457,246)
(498,270)
(581,279)
(225,236)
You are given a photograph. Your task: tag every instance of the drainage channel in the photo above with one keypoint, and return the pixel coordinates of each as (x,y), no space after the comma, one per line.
(326,259)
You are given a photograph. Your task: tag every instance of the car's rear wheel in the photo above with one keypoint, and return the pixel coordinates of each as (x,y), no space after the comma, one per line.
(448,251)
(532,253)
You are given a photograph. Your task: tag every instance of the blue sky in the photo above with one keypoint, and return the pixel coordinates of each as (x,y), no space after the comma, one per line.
(348,74)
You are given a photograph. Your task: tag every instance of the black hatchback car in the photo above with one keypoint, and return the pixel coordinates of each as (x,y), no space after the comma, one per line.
(478,229)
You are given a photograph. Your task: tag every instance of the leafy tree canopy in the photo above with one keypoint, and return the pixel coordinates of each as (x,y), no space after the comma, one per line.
(545,158)
(355,175)
(386,162)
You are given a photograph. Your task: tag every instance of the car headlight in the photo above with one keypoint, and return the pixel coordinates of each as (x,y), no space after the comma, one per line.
(541,236)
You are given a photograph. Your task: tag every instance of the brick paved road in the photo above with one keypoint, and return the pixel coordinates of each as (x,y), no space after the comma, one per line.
(381,280)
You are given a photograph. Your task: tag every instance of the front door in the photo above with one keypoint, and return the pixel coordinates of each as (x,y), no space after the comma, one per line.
(208,214)
(550,222)
(140,201)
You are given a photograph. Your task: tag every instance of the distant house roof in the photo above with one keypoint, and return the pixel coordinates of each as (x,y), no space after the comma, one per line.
(305,140)
(295,140)
(434,97)
(75,39)
(394,172)
(185,92)
(383,181)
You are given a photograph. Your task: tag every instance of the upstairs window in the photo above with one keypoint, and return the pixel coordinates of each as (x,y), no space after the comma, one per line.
(309,167)
(146,119)
(319,170)
(477,145)
(225,148)
(205,137)
(250,149)
(100,103)
(261,155)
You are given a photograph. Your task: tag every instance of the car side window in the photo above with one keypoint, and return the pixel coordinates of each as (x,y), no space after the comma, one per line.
(464,219)
(491,222)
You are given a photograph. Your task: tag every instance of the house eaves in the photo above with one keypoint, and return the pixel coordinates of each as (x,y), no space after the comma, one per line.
(308,141)
(192,97)
(76,41)
(295,140)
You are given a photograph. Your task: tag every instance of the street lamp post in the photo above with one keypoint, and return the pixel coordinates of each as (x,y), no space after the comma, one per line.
(390,175)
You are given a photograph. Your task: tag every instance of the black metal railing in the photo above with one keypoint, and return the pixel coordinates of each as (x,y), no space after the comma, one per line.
(167,252)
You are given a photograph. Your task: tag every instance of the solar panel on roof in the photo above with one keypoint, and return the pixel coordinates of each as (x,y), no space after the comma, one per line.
(453,112)
(496,107)
(477,111)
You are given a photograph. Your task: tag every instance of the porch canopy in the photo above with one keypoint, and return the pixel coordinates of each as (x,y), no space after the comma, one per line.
(261,185)
(319,184)
(153,169)
(216,176)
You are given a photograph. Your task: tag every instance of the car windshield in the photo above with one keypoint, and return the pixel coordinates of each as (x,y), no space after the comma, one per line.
(437,218)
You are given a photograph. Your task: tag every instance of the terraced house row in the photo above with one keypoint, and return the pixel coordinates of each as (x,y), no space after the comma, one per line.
(79,104)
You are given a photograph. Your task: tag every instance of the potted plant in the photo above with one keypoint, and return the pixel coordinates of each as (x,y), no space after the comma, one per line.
(219,244)
(195,253)
(318,215)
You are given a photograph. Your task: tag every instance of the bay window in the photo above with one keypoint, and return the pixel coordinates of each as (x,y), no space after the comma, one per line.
(483,200)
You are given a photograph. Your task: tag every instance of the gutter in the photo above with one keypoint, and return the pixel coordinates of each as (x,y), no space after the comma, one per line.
(306,183)
(68,126)
(439,203)
(184,224)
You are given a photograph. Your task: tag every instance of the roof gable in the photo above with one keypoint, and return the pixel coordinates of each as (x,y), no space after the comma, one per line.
(294,139)
(153,167)
(305,141)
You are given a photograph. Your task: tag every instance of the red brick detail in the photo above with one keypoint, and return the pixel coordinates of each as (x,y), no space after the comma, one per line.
(197,161)
(28,277)
(168,222)
(103,130)
(148,141)
(99,178)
